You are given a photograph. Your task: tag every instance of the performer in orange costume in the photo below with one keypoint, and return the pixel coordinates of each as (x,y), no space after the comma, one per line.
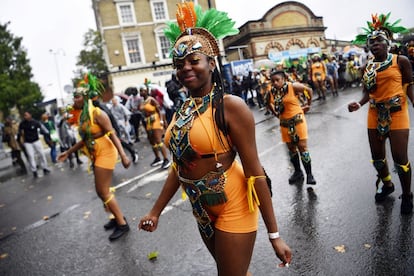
(204,136)
(287,106)
(318,73)
(387,83)
(101,144)
(154,127)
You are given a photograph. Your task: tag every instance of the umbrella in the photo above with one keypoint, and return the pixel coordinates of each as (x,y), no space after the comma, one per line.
(264,63)
(352,50)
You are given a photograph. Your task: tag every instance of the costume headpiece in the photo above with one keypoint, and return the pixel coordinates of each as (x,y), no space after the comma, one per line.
(89,86)
(379,27)
(198,31)
(147,84)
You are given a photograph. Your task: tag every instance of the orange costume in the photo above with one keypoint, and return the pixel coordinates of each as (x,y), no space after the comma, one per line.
(318,71)
(218,197)
(292,118)
(98,147)
(388,102)
(152,117)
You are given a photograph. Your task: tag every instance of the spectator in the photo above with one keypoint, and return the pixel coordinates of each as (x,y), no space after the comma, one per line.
(28,133)
(121,115)
(67,136)
(132,104)
(52,137)
(9,133)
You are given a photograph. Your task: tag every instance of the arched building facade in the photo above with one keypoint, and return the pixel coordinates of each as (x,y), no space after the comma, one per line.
(287,27)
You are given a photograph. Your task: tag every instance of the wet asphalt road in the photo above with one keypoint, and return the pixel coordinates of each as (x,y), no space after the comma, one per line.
(335,228)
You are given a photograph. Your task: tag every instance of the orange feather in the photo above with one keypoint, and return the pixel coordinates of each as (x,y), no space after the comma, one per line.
(186,15)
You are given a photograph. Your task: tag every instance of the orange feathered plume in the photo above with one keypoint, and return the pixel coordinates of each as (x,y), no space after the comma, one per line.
(375,21)
(378,21)
(186,16)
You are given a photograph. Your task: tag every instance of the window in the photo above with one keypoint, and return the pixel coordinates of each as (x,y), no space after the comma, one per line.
(164,47)
(133,48)
(159,10)
(126,14)
(163,43)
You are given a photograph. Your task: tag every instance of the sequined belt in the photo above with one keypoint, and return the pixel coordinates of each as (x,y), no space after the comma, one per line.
(291,125)
(206,191)
(384,110)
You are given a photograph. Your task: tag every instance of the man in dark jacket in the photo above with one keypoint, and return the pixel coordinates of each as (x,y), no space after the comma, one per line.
(29,134)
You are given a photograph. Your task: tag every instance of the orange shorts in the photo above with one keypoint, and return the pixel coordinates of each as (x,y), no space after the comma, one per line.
(153,122)
(234,215)
(301,130)
(400,119)
(105,153)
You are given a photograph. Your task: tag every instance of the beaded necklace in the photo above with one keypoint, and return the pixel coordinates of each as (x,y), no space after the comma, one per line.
(370,74)
(180,143)
(278,95)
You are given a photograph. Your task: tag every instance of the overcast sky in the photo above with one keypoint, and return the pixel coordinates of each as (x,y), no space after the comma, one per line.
(59,25)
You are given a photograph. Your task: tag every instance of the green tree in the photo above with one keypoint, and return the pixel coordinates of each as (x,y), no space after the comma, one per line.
(16,88)
(91,58)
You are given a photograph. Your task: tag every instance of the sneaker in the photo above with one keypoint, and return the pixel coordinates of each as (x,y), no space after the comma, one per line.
(407,204)
(135,158)
(111,224)
(166,164)
(119,231)
(297,176)
(35,175)
(157,161)
(383,192)
(310,179)
(46,171)
(79,162)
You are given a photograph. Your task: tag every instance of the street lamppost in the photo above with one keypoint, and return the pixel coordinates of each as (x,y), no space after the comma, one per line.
(55,53)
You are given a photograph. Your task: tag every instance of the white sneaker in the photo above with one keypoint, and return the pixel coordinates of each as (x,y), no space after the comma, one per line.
(166,164)
(135,158)
(157,161)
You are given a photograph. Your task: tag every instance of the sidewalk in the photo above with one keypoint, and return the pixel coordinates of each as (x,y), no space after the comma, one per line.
(6,167)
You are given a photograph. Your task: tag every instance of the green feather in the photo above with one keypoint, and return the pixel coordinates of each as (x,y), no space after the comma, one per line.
(216,22)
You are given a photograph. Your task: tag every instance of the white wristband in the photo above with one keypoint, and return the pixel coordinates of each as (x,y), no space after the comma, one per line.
(273,236)
(359,105)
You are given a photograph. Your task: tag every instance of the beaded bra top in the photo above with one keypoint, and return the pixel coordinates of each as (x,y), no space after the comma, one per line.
(179,142)
(370,74)
(278,95)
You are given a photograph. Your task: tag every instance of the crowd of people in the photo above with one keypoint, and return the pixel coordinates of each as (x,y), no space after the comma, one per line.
(226,195)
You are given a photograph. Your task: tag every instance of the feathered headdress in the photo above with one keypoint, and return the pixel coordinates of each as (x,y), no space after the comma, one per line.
(89,86)
(379,27)
(198,31)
